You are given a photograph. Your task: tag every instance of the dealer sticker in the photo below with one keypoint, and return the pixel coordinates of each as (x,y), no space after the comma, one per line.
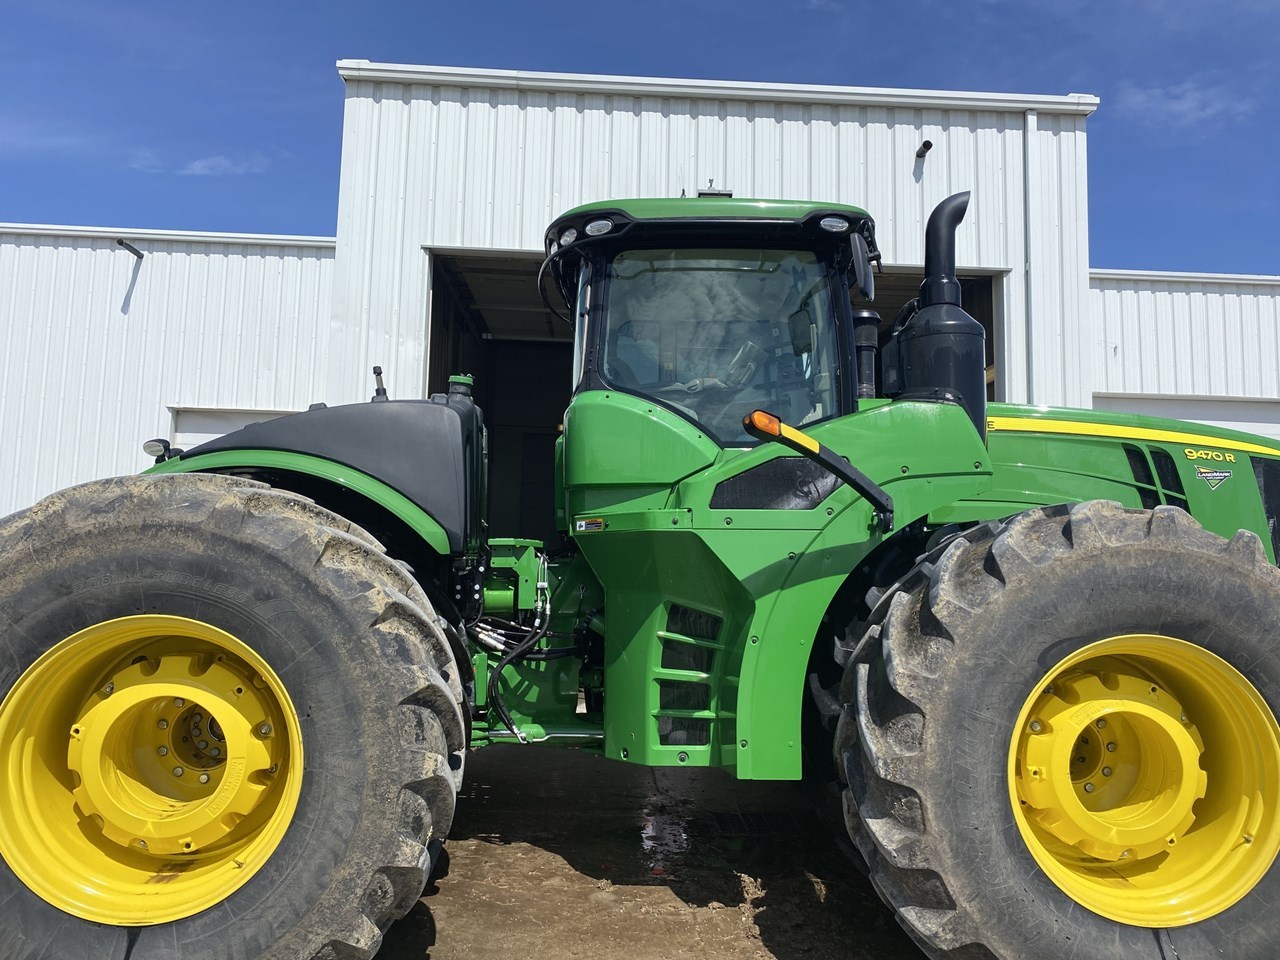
(1212,477)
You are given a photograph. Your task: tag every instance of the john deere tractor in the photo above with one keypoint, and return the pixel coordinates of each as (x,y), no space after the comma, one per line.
(1035,652)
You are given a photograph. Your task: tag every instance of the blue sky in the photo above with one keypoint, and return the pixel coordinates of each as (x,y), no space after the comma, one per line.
(227,116)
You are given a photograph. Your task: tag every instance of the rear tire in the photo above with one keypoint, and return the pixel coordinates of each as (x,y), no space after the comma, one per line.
(365,677)
(967,647)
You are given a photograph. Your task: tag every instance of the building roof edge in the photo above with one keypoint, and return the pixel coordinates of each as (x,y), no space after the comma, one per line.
(440,76)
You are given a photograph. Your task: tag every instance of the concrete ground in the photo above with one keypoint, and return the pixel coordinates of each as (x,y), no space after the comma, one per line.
(560,854)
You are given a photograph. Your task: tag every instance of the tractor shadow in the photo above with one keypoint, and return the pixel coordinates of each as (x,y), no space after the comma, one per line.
(610,860)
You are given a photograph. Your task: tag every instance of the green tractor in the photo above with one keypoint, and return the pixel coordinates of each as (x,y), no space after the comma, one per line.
(239,689)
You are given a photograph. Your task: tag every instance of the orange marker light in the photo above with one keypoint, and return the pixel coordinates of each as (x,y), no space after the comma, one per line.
(764,422)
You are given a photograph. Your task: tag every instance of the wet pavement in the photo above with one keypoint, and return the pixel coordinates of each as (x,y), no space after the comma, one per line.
(561,854)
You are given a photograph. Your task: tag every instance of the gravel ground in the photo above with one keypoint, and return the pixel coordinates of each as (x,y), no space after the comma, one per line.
(560,854)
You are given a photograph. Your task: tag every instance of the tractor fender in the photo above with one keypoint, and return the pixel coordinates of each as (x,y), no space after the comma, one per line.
(417,458)
(787,619)
(420,521)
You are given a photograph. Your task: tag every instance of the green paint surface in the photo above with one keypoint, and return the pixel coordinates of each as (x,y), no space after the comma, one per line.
(678,208)
(397,503)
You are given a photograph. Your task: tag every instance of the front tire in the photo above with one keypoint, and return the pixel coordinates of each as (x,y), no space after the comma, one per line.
(993,818)
(229,727)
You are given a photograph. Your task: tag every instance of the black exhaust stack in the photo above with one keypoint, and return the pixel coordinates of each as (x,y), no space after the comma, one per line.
(942,352)
(866,344)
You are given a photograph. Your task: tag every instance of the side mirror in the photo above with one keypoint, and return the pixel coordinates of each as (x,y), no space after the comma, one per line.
(864,280)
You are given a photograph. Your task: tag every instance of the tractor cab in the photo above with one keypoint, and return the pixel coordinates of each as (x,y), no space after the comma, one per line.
(714,307)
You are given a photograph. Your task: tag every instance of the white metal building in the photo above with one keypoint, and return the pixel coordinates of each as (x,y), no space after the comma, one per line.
(449,177)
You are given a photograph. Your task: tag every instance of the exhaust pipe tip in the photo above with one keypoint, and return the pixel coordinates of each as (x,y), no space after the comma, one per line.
(940,284)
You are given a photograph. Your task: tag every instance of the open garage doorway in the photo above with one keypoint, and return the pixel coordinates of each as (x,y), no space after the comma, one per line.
(488,320)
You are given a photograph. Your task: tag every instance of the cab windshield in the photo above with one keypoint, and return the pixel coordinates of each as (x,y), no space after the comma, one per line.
(717,333)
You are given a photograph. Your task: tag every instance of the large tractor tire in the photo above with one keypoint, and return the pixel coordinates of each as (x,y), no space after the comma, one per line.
(229,727)
(1060,741)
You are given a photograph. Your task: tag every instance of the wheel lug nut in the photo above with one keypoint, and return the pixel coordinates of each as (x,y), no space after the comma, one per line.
(1088,788)
(1247,838)
(163,724)
(214,752)
(197,718)
(1184,716)
(1106,771)
(1111,747)
(179,702)
(163,751)
(265,729)
(177,771)
(204,744)
(1102,722)
(109,689)
(204,778)
(1036,726)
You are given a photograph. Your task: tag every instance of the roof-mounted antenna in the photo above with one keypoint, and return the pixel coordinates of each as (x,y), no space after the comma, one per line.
(711,190)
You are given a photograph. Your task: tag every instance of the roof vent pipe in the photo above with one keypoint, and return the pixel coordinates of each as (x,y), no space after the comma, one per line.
(940,283)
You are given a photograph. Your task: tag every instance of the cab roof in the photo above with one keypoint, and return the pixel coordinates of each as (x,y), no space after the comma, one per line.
(731,208)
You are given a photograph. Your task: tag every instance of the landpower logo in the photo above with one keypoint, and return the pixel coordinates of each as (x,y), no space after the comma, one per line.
(1214,478)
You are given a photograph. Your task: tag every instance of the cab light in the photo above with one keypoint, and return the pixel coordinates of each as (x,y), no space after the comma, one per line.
(596,227)
(568,237)
(834,224)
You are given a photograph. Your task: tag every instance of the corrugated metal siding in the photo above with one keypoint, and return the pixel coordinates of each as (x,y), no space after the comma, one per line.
(99,346)
(1190,335)
(452,166)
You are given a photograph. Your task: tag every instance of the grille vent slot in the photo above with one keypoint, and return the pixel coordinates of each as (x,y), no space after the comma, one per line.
(1142,475)
(1170,481)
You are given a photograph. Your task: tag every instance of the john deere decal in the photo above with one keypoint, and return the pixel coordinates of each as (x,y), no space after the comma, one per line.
(1213,477)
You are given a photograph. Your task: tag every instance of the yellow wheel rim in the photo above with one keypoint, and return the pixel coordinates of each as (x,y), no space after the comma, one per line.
(1144,774)
(149,767)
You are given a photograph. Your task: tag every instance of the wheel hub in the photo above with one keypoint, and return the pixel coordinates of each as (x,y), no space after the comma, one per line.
(1144,774)
(149,767)
(156,770)
(1110,764)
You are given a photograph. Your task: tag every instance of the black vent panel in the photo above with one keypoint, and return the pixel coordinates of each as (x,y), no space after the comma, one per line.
(1267,473)
(679,655)
(1170,481)
(693,623)
(1143,476)
(787,483)
(683,732)
(681,695)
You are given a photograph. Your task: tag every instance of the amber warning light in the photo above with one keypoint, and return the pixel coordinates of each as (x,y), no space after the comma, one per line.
(757,422)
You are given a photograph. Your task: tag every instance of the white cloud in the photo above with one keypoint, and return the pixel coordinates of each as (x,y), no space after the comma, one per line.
(221,165)
(1192,103)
